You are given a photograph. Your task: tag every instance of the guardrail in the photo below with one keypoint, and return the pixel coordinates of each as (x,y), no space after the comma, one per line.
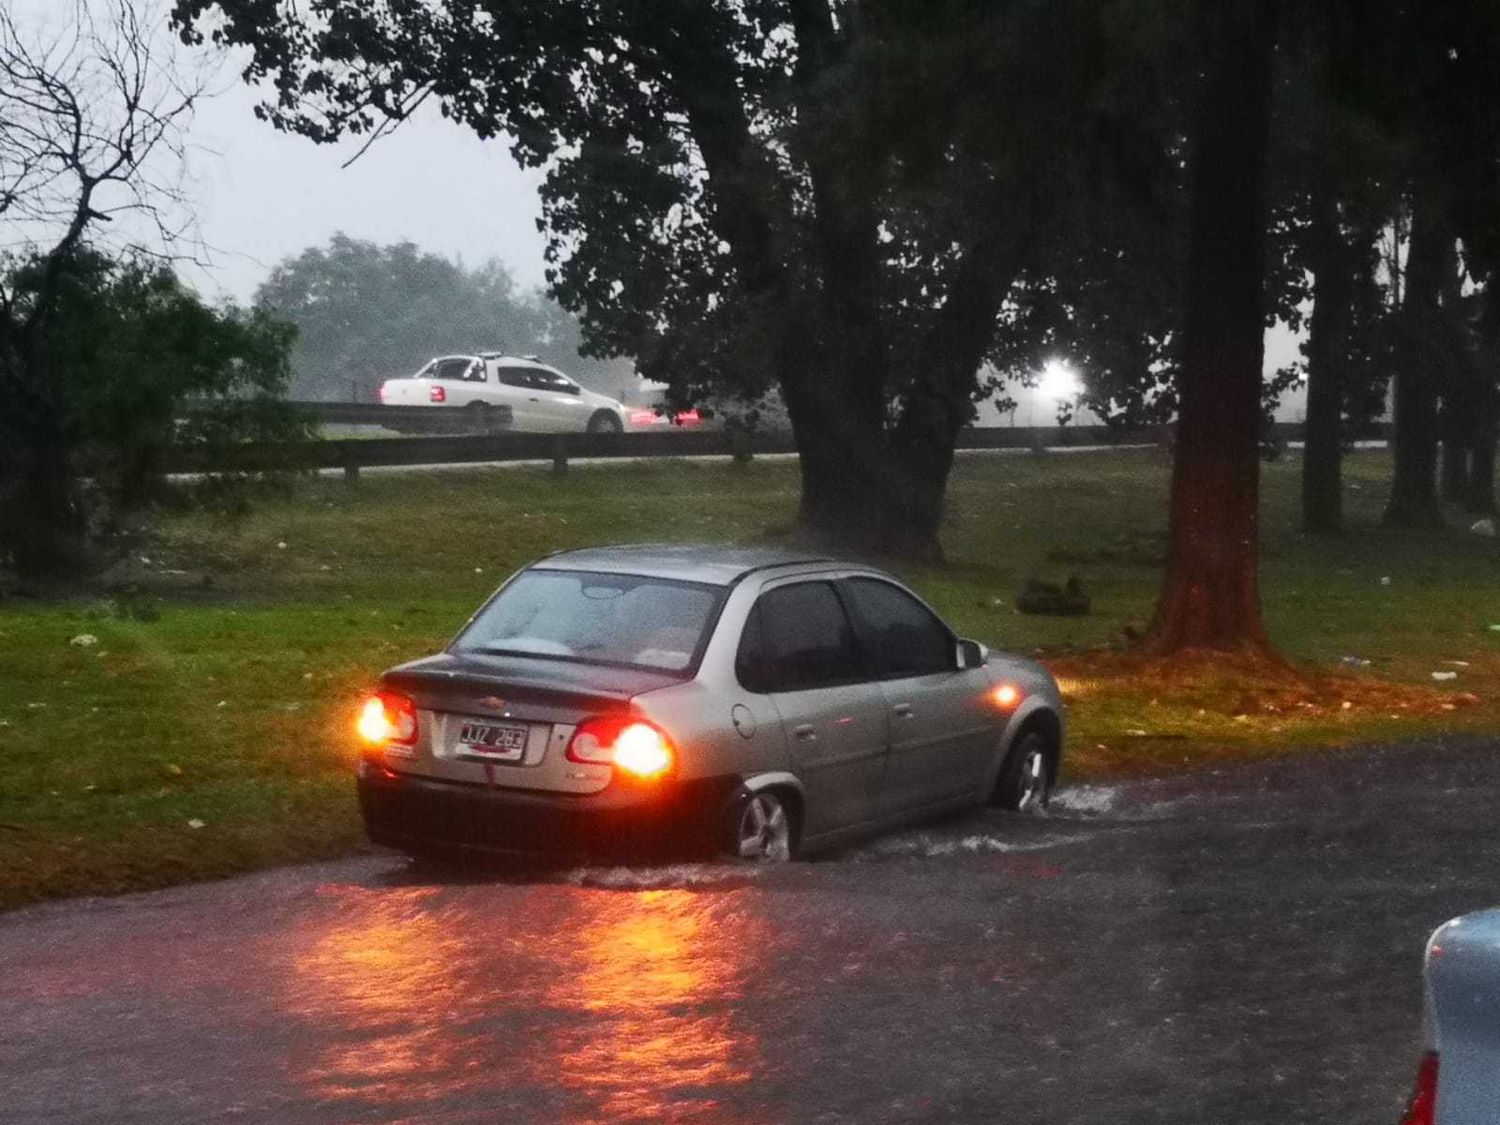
(352,454)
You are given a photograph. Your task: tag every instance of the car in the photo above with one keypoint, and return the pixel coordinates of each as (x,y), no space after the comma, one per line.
(1458,1076)
(753,701)
(539,398)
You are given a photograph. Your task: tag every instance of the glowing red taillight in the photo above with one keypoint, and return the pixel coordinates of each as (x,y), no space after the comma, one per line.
(1422,1109)
(639,748)
(384,393)
(437,394)
(387,717)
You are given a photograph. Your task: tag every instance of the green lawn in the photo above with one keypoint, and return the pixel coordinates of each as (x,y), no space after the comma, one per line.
(219,692)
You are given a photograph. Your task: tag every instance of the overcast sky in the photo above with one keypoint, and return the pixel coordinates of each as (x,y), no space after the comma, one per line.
(266,195)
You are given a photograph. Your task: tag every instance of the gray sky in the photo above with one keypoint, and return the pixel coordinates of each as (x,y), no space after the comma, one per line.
(266,195)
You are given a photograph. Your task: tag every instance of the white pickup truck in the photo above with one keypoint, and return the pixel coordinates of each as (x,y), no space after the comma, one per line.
(541,399)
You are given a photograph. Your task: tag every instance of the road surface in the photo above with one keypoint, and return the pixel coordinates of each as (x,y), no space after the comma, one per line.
(1232,946)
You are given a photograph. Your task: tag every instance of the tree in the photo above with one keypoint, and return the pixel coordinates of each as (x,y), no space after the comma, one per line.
(1210,597)
(365,313)
(838,198)
(125,345)
(90,121)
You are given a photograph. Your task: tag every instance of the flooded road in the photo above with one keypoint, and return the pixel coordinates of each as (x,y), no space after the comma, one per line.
(1235,946)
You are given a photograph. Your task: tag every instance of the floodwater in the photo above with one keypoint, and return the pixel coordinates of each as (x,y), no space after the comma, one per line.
(1235,946)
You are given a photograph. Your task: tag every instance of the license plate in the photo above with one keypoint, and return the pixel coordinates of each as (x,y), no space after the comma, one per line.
(499,743)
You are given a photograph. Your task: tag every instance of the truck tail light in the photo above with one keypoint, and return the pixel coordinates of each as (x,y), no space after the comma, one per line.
(387,717)
(437,394)
(1422,1109)
(639,748)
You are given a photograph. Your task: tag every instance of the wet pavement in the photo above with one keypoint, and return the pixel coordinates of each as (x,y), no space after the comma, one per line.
(1232,946)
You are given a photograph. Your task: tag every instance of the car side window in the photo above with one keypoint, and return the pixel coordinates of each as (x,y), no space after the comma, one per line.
(906,637)
(452,369)
(798,637)
(516,377)
(551,381)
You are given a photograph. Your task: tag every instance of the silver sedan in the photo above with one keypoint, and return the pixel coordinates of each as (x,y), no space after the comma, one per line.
(758,702)
(1458,1078)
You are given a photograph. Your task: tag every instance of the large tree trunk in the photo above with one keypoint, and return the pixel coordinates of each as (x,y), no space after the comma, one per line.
(1210,598)
(1414,500)
(1323,453)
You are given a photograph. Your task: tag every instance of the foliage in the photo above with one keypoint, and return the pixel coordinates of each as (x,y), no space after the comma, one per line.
(125,347)
(365,313)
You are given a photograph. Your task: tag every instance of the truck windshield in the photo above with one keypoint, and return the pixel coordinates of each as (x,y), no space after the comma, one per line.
(596,618)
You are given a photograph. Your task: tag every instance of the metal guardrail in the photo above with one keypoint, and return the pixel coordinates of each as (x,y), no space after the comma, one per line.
(352,454)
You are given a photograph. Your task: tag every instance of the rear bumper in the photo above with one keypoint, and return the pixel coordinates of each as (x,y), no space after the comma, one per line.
(404,811)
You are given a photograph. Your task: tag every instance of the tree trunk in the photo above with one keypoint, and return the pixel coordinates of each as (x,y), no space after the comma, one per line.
(1479,490)
(1454,477)
(1210,598)
(41,526)
(1323,453)
(1414,442)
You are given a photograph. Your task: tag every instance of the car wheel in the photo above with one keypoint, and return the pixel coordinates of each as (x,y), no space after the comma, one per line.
(1025,783)
(480,418)
(605,422)
(761,828)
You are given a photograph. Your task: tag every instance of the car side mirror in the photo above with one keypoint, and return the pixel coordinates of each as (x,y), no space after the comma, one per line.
(971,654)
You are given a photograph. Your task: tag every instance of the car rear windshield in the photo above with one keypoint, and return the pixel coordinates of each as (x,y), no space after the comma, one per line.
(596,618)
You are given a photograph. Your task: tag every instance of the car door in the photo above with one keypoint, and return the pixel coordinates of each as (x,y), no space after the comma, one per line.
(942,726)
(515,387)
(799,648)
(560,400)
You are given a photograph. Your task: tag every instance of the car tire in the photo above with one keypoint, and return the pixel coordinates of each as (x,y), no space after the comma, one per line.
(760,827)
(605,422)
(480,418)
(1025,783)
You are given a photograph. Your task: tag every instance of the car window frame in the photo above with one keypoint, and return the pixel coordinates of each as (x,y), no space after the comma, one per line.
(526,380)
(688,672)
(865,632)
(861,656)
(439,364)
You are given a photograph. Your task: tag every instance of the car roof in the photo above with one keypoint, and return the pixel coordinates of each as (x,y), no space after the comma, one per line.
(496,357)
(692,562)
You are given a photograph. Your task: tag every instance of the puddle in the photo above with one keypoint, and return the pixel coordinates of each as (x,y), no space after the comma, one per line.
(929,846)
(669,876)
(1085,799)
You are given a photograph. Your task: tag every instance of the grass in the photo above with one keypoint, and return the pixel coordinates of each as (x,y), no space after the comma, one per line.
(203,730)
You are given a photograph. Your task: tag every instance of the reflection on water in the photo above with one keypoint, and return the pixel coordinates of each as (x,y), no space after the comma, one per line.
(375,987)
(659,975)
(546,1002)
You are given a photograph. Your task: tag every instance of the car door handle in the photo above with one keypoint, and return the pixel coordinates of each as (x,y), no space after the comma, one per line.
(806,732)
(903,710)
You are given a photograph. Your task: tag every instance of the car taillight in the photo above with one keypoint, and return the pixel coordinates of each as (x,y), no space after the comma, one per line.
(383,392)
(633,745)
(1422,1109)
(437,394)
(386,717)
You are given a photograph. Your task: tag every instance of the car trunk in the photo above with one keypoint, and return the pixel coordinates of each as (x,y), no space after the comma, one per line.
(408,392)
(506,720)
